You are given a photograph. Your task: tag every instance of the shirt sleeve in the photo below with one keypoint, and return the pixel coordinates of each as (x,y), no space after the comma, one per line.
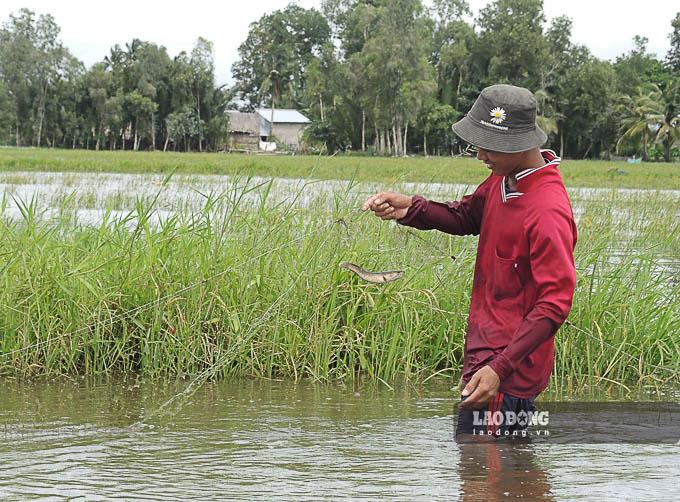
(462,217)
(552,237)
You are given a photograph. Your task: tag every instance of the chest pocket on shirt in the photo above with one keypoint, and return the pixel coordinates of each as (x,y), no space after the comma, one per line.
(506,277)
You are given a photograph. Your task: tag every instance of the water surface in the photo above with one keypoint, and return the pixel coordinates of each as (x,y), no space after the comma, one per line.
(257,439)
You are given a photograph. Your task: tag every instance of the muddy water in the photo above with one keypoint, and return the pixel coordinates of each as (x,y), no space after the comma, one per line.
(273,440)
(93,193)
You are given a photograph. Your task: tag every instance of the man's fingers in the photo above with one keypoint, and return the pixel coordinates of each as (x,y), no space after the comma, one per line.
(472,400)
(372,200)
(384,210)
(369,202)
(478,398)
(386,204)
(472,384)
(389,214)
(383,200)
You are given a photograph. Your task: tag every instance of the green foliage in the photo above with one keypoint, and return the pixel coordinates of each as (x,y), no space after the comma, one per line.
(371,74)
(275,54)
(584,104)
(183,126)
(31,62)
(437,121)
(640,113)
(673,56)
(462,170)
(324,135)
(47,96)
(639,68)
(512,47)
(256,291)
(668,122)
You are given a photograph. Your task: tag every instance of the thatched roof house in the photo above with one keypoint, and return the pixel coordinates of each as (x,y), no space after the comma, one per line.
(244,131)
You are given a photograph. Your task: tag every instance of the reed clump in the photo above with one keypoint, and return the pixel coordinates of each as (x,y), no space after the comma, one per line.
(257,291)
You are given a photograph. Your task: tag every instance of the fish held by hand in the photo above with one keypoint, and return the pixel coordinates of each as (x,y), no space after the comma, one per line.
(373,277)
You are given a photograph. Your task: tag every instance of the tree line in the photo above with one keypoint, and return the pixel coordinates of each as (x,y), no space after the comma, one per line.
(386,77)
(136,98)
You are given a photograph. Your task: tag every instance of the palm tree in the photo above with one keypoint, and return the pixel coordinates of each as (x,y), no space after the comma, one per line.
(669,130)
(641,113)
(272,86)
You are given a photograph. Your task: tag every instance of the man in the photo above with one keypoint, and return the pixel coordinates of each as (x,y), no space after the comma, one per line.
(524,277)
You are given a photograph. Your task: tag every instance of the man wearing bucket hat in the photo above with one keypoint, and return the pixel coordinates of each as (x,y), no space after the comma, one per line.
(524,276)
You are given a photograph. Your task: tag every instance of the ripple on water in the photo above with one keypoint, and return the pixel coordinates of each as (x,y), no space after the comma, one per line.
(245,439)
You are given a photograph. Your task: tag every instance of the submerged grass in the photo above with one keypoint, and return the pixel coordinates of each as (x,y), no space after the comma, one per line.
(581,173)
(257,291)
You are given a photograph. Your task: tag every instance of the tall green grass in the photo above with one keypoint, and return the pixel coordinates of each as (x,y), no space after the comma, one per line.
(581,173)
(258,292)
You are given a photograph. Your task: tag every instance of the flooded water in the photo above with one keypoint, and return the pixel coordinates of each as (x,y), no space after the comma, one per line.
(242,440)
(274,440)
(91,198)
(92,194)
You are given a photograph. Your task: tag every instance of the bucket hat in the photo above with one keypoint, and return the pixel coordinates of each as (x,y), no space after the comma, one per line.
(503,119)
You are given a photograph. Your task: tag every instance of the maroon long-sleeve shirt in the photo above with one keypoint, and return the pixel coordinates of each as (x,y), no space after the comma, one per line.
(524,276)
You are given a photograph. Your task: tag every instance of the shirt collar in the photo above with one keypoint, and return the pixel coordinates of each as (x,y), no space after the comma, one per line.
(551,160)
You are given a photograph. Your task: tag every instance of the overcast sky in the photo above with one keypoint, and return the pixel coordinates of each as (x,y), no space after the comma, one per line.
(90,29)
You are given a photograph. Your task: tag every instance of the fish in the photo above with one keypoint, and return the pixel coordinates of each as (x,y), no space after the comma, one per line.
(374,277)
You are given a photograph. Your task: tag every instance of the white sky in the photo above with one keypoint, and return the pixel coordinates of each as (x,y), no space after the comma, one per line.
(90,29)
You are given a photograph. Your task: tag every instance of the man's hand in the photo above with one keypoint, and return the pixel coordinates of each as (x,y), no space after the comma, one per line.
(481,388)
(388,205)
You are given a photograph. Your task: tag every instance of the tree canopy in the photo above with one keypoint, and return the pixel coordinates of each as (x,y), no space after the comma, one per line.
(133,99)
(383,76)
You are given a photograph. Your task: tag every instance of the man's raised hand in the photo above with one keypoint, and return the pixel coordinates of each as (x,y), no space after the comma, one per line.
(388,205)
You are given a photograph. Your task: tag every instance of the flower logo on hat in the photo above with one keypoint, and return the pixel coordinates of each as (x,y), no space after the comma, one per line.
(497,115)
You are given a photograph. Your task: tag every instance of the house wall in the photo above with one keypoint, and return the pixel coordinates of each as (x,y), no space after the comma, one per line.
(289,135)
(244,141)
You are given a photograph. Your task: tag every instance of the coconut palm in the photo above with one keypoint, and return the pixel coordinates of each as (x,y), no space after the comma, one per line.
(641,117)
(669,130)
(274,86)
(272,83)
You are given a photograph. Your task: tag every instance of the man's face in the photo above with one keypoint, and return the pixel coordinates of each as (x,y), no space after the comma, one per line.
(501,164)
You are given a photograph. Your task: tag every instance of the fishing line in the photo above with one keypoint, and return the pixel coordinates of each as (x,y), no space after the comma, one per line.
(429,243)
(145,306)
(142,217)
(210,372)
(351,234)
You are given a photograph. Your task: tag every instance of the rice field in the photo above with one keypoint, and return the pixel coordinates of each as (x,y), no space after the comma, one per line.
(173,275)
(577,173)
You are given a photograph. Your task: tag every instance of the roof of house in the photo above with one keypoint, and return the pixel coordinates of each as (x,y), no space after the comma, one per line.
(283,115)
(244,122)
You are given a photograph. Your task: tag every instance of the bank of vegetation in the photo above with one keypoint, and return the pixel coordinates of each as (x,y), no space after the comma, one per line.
(463,170)
(258,292)
(386,77)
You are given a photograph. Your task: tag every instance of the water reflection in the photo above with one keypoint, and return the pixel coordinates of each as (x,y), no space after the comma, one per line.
(243,440)
(501,470)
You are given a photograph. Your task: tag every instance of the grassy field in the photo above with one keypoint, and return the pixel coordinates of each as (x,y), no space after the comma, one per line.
(577,173)
(258,291)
